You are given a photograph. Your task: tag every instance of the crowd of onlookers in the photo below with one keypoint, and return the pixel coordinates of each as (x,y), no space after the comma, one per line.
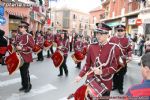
(140,44)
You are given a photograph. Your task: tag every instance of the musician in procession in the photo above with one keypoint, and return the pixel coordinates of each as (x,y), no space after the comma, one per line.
(39,40)
(24,47)
(50,37)
(101,64)
(3,46)
(78,47)
(85,46)
(63,46)
(15,37)
(125,46)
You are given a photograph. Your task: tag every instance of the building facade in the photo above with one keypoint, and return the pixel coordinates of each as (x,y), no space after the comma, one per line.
(95,15)
(70,20)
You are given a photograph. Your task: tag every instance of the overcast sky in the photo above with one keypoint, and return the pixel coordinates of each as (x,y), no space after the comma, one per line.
(83,5)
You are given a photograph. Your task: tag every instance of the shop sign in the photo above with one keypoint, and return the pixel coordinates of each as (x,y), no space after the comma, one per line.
(132,21)
(138,22)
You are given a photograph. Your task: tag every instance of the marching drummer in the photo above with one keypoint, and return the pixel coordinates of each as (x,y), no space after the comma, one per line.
(49,36)
(24,47)
(39,40)
(85,46)
(63,46)
(78,47)
(102,62)
(124,44)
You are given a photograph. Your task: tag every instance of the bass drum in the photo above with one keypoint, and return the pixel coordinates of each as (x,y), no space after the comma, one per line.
(78,56)
(11,48)
(57,58)
(13,62)
(36,49)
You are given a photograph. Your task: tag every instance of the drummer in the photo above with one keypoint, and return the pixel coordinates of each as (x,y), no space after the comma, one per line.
(102,54)
(39,40)
(24,47)
(63,46)
(78,47)
(50,37)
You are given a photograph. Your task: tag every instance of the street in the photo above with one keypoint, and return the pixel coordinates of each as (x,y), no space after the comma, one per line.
(46,85)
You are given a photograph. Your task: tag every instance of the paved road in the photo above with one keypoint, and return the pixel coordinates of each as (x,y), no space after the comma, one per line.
(48,86)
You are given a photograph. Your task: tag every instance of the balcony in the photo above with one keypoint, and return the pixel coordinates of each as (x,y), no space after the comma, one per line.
(105,2)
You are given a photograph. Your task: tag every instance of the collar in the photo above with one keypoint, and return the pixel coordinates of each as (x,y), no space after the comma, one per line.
(121,36)
(104,43)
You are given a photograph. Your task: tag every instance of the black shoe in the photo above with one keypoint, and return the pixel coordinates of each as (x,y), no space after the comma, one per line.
(67,74)
(38,60)
(60,75)
(22,89)
(114,88)
(121,91)
(78,67)
(28,89)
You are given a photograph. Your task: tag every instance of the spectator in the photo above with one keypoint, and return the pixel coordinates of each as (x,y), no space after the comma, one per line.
(141,44)
(147,45)
(3,46)
(142,89)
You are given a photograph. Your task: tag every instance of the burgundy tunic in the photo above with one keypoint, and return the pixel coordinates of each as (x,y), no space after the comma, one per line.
(40,41)
(27,43)
(125,46)
(64,46)
(49,37)
(78,46)
(106,55)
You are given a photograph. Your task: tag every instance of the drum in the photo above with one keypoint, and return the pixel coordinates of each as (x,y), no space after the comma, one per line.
(80,93)
(57,58)
(95,88)
(47,44)
(36,49)
(78,56)
(13,62)
(84,50)
(3,50)
(11,48)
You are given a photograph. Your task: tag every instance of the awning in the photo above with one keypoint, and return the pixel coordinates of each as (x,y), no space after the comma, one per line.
(18,11)
(111,24)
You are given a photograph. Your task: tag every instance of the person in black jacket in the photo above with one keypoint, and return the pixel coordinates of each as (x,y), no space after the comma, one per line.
(3,46)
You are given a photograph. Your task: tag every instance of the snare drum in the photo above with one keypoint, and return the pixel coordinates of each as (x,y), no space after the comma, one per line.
(78,56)
(13,62)
(96,89)
(47,44)
(36,49)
